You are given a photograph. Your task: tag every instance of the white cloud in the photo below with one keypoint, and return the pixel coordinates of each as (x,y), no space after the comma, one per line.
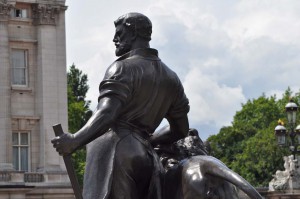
(224,52)
(209,101)
(278,20)
(95,67)
(280,93)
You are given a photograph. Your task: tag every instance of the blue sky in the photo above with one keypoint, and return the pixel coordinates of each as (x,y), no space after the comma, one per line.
(224,52)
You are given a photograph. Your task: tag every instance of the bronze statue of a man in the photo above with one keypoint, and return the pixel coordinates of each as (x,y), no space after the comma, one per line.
(138,91)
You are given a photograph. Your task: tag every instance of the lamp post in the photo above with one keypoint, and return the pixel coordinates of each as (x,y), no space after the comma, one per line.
(294,133)
(288,179)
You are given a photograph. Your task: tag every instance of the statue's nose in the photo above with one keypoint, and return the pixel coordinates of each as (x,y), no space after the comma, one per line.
(115,39)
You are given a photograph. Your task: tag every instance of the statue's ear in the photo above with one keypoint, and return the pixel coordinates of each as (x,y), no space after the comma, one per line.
(134,35)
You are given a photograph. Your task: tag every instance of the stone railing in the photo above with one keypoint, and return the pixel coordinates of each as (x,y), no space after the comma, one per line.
(5,176)
(33,177)
(11,177)
(20,177)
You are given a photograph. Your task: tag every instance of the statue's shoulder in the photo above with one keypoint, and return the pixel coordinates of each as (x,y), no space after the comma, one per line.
(117,66)
(115,69)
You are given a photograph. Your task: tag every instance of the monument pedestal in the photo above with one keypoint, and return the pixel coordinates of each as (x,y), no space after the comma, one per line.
(285,184)
(287,194)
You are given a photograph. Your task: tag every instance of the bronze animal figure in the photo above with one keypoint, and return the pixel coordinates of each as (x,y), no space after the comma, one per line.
(191,174)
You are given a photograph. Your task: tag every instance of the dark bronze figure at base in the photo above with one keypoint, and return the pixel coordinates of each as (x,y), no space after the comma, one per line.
(191,174)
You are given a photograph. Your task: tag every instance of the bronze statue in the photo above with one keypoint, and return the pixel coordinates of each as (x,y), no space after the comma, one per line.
(138,91)
(190,173)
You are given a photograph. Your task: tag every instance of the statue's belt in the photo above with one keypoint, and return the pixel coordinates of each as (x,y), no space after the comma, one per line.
(121,125)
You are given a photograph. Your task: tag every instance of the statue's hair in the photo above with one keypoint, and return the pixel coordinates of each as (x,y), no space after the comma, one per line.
(136,22)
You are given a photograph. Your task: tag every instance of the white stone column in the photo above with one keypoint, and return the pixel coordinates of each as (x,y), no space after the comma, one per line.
(5,113)
(51,80)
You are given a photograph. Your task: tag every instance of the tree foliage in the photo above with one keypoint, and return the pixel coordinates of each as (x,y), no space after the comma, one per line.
(78,112)
(78,82)
(249,146)
(78,107)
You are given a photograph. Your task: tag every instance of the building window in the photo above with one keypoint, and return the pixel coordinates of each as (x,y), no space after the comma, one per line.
(20,143)
(19,62)
(20,13)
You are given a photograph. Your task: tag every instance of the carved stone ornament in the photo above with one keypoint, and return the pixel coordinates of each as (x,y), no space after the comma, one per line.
(5,9)
(289,178)
(45,14)
(26,123)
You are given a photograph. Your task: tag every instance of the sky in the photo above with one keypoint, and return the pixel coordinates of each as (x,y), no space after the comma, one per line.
(224,52)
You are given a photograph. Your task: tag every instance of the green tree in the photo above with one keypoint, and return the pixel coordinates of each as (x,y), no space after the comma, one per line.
(261,157)
(78,112)
(78,82)
(249,146)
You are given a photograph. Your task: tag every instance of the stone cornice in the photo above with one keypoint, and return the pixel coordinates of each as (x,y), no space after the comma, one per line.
(5,9)
(46,14)
(24,122)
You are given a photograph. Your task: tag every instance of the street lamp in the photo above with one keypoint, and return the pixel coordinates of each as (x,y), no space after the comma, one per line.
(291,111)
(288,136)
(281,132)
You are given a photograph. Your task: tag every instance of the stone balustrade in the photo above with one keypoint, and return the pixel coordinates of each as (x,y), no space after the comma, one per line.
(20,177)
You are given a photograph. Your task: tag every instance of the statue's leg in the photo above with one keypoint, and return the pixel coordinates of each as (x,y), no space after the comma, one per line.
(133,167)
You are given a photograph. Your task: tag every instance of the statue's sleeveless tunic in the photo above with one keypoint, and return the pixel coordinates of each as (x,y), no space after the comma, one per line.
(121,164)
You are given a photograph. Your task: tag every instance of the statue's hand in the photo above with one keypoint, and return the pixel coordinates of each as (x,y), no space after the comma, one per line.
(65,144)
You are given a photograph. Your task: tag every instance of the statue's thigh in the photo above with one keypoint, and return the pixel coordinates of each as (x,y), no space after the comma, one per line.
(133,167)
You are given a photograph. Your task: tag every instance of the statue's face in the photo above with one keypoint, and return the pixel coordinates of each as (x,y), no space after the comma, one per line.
(123,40)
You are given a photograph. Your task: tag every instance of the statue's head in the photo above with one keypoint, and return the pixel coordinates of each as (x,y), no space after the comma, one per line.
(130,28)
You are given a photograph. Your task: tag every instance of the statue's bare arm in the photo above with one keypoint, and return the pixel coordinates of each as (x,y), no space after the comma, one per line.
(177,129)
(107,112)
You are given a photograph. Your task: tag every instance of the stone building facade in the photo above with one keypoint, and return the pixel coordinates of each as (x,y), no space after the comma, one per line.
(33,97)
